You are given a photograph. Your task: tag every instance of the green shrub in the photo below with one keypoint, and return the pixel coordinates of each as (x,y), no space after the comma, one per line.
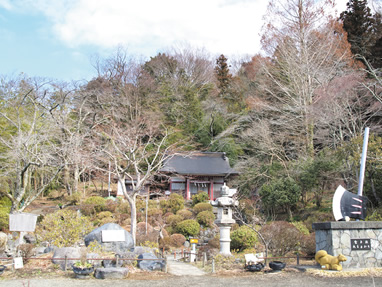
(206,218)
(173,220)
(63,228)
(201,196)
(123,207)
(189,227)
(243,238)
(74,199)
(202,206)
(5,208)
(98,202)
(173,204)
(185,214)
(87,209)
(104,214)
(301,227)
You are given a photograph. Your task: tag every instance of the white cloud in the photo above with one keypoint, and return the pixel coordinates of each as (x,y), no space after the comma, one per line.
(221,26)
(147,26)
(5,4)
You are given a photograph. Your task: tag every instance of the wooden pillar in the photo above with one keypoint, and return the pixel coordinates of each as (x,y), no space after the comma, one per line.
(211,189)
(188,197)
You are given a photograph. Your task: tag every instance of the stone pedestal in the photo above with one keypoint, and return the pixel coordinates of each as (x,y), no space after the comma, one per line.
(225,239)
(359,241)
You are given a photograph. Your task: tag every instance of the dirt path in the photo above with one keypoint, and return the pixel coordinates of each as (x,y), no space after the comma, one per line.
(283,279)
(177,268)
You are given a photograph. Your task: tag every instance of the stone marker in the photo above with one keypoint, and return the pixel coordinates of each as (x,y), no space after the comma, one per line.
(113,246)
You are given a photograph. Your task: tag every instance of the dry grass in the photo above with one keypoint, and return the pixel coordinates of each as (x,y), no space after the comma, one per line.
(365,272)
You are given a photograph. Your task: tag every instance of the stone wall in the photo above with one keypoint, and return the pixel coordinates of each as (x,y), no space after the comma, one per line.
(359,241)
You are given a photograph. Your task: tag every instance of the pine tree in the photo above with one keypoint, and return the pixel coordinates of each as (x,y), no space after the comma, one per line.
(223,74)
(363,29)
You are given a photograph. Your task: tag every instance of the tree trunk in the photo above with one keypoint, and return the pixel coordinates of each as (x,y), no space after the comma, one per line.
(76,178)
(133,209)
(67,180)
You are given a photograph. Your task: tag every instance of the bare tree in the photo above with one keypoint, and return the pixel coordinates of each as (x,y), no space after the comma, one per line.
(308,49)
(29,146)
(136,151)
(128,133)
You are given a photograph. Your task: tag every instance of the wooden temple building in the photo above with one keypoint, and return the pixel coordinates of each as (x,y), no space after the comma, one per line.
(198,171)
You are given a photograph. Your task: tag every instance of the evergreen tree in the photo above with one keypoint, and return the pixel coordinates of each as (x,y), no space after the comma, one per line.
(223,74)
(363,29)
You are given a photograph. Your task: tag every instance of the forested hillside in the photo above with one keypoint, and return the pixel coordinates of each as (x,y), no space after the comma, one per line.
(290,119)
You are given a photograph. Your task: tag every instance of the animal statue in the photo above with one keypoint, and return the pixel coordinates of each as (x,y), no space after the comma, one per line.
(329,262)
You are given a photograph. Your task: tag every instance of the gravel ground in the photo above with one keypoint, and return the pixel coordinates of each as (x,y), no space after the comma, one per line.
(283,279)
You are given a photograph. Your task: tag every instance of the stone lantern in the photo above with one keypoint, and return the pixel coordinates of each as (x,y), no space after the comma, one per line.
(224,220)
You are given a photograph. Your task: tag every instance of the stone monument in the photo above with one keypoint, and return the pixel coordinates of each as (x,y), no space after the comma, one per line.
(359,241)
(224,220)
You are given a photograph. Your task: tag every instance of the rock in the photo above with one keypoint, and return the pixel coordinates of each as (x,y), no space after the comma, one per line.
(70,252)
(117,246)
(111,273)
(40,250)
(29,238)
(96,263)
(142,249)
(50,249)
(150,265)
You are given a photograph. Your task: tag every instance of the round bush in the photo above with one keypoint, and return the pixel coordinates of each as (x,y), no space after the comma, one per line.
(185,214)
(104,214)
(201,196)
(202,206)
(173,220)
(188,227)
(64,228)
(206,218)
(243,237)
(177,240)
(98,202)
(173,204)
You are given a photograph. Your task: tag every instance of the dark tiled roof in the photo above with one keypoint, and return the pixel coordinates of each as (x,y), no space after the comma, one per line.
(201,163)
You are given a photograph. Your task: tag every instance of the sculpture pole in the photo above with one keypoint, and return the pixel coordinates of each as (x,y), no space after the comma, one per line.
(363,161)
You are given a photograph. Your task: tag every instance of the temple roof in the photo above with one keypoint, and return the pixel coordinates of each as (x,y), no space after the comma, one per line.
(199,163)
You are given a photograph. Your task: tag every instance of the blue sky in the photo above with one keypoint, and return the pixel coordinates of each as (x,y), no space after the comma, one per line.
(58,38)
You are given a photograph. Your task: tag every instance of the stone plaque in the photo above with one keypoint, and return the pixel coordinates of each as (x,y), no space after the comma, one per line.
(22,222)
(113,235)
(360,244)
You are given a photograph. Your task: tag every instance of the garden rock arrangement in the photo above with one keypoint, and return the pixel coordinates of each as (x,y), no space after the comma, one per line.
(69,252)
(150,265)
(117,247)
(111,273)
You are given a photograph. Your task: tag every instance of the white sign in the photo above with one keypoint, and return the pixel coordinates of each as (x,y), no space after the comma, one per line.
(18,262)
(22,222)
(113,235)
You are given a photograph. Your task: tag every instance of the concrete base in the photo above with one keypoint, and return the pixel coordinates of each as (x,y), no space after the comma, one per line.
(359,241)
(225,239)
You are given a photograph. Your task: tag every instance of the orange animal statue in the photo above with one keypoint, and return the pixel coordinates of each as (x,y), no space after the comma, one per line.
(329,262)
